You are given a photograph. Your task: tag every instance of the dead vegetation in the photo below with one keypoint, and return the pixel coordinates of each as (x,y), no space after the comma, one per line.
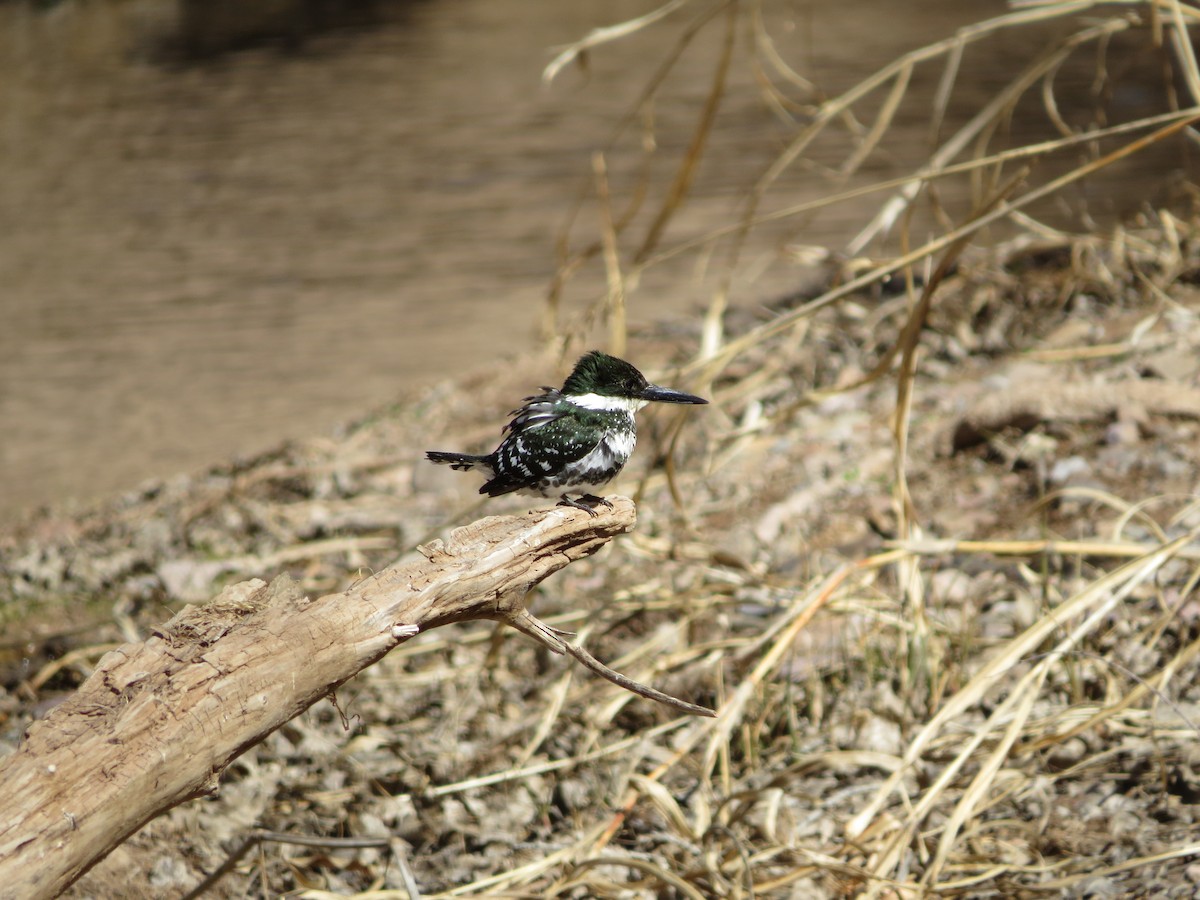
(931,556)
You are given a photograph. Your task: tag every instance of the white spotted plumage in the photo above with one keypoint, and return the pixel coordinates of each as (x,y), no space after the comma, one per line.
(562,440)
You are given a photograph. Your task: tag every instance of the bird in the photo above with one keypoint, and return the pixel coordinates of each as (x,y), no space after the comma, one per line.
(572,439)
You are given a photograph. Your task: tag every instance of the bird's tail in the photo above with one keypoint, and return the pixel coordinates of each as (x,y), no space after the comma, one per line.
(461,461)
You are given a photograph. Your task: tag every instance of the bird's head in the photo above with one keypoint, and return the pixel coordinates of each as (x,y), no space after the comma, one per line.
(600,381)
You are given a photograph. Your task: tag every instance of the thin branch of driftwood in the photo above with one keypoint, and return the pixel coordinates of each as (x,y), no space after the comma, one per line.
(158,721)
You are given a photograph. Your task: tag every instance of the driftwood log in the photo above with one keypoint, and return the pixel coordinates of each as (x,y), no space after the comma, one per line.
(158,721)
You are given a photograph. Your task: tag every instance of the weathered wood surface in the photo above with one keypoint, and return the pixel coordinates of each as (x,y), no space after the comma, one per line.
(158,721)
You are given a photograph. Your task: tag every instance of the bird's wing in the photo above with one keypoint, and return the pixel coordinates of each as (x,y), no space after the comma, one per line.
(537,411)
(531,453)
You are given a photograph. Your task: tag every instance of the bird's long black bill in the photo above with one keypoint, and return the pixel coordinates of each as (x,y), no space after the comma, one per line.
(655,394)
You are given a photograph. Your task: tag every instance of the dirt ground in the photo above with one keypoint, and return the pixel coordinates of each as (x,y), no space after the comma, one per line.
(994,695)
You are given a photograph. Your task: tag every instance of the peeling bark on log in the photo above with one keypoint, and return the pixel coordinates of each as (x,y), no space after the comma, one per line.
(158,721)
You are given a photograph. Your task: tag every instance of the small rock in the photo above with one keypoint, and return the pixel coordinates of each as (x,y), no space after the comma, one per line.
(1068,469)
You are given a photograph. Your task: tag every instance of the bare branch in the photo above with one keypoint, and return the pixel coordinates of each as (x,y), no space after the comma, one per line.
(529,624)
(158,721)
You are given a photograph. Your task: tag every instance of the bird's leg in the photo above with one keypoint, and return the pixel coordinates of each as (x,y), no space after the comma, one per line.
(583,503)
(564,500)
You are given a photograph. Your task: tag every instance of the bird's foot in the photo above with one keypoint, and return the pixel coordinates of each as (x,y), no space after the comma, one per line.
(587,503)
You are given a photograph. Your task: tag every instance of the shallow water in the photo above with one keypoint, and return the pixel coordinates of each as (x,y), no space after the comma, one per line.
(199,260)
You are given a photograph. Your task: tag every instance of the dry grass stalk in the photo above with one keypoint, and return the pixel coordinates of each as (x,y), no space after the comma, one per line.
(1013,727)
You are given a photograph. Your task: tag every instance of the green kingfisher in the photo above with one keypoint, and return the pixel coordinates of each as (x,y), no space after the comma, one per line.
(565,441)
